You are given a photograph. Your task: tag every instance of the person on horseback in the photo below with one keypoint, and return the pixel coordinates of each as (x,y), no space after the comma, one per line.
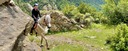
(35,15)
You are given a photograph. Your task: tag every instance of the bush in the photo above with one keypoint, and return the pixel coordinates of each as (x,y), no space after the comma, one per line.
(97,15)
(85,8)
(116,11)
(70,10)
(119,42)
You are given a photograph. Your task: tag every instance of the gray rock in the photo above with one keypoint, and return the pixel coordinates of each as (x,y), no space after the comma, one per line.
(14,23)
(62,23)
(3,1)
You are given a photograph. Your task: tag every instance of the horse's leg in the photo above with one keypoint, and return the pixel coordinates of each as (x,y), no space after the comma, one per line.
(41,42)
(45,41)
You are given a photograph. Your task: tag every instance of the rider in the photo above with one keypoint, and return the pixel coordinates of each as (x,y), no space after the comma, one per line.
(35,15)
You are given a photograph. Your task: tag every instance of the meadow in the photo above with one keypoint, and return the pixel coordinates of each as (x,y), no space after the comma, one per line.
(87,39)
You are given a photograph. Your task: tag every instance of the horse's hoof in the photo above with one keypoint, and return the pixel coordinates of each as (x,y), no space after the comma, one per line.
(31,33)
(42,46)
(48,48)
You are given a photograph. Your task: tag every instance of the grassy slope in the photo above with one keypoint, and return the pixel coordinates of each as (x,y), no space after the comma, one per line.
(94,37)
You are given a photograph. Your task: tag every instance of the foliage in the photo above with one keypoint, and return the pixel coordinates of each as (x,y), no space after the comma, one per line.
(61,3)
(116,11)
(80,13)
(70,10)
(97,15)
(85,8)
(23,5)
(95,3)
(119,42)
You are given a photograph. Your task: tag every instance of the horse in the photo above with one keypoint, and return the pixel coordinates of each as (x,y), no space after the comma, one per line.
(43,25)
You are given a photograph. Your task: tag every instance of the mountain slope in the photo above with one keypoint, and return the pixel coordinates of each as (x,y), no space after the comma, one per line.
(59,3)
(95,3)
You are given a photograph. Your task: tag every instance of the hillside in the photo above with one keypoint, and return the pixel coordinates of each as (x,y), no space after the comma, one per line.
(76,25)
(60,3)
(95,3)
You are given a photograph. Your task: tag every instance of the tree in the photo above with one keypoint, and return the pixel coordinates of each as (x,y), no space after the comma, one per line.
(116,11)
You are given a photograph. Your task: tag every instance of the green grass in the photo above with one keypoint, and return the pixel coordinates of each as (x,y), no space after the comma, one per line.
(68,47)
(95,36)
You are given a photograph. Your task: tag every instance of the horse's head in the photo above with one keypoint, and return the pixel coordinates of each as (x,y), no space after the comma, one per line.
(47,20)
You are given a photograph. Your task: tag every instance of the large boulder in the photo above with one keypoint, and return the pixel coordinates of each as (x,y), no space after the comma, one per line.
(62,23)
(14,23)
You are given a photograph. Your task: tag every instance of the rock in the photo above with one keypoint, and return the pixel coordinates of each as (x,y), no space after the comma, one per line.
(14,23)
(3,1)
(7,2)
(29,7)
(62,23)
(48,7)
(11,3)
(45,7)
(85,20)
(30,46)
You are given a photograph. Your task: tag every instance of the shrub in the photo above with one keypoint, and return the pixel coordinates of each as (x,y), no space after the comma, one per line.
(119,42)
(85,8)
(116,11)
(70,10)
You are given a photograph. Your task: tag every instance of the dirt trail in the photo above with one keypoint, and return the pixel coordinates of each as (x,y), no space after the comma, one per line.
(62,39)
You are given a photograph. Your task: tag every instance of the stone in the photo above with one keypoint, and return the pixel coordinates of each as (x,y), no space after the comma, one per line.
(62,23)
(3,1)
(14,24)
(30,46)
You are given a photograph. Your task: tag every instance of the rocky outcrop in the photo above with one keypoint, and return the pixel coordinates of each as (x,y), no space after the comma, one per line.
(62,23)
(48,7)
(7,2)
(3,1)
(86,20)
(14,24)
